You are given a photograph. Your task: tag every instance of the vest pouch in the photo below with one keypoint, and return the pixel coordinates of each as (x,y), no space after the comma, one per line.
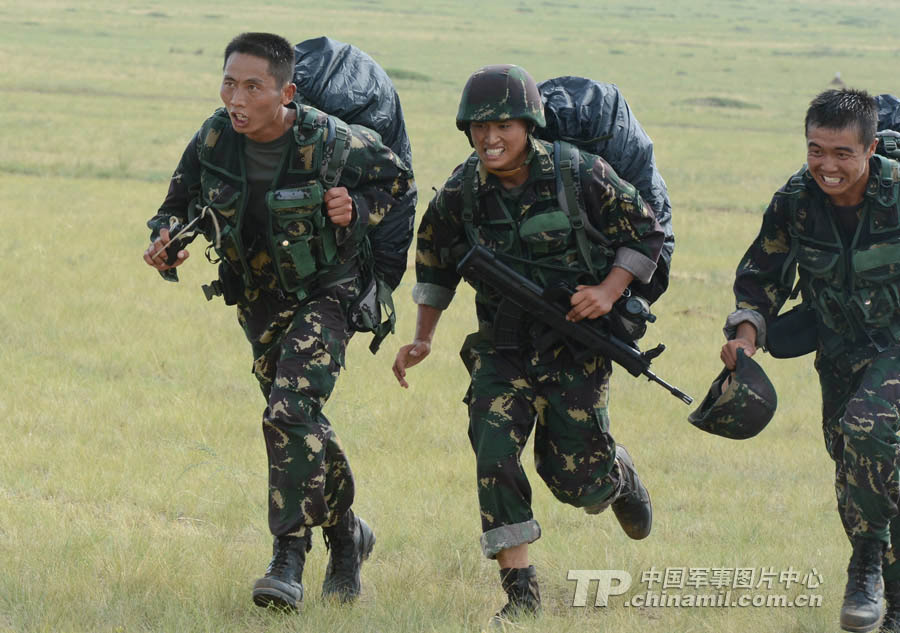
(876,306)
(295,260)
(834,312)
(220,195)
(876,298)
(881,262)
(817,261)
(297,211)
(546,233)
(298,225)
(497,235)
(549,241)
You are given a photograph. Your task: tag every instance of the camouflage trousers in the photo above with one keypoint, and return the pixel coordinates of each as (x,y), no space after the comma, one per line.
(574,452)
(298,352)
(861,424)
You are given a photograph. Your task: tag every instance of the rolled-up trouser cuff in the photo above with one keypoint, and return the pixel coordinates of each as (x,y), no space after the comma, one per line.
(506,536)
(596,507)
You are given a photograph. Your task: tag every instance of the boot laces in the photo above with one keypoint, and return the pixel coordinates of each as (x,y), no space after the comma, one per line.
(863,564)
(342,546)
(284,556)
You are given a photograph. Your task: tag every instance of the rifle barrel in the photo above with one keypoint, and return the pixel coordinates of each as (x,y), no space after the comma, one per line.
(675,391)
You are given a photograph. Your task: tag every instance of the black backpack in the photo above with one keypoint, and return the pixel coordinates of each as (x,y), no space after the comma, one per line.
(595,117)
(341,80)
(888,126)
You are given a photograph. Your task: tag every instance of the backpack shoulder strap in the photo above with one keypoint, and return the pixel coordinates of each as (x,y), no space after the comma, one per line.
(210,134)
(888,143)
(566,158)
(468,198)
(889,179)
(337,152)
(795,186)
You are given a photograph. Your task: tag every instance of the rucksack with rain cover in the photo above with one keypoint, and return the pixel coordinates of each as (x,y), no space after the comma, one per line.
(595,117)
(341,80)
(888,126)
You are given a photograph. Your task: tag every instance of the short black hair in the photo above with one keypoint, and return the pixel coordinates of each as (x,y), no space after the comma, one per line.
(838,109)
(273,48)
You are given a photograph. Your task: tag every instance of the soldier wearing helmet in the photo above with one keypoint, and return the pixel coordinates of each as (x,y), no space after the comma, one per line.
(505,197)
(834,226)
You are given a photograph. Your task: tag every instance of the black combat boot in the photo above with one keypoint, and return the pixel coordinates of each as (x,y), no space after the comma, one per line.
(632,507)
(865,588)
(891,622)
(350,541)
(282,586)
(521,586)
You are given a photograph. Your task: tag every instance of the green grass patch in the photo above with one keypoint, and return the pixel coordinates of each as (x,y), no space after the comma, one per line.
(721,102)
(400,74)
(133,471)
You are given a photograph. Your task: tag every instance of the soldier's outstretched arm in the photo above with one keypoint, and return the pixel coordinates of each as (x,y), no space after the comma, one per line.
(415,352)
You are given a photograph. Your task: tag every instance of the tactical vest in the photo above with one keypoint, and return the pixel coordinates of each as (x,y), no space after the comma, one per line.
(547,242)
(298,235)
(855,287)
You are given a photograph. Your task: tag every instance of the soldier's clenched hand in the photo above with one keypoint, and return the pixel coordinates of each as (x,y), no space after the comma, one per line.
(729,351)
(155,255)
(339,206)
(745,338)
(590,302)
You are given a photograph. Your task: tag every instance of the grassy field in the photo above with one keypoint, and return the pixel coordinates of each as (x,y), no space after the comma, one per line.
(132,467)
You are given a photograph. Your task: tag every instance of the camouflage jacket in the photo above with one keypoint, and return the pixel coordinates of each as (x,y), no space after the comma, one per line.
(212,173)
(530,232)
(851,281)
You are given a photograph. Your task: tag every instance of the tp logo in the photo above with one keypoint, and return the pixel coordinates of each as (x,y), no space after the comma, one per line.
(605,587)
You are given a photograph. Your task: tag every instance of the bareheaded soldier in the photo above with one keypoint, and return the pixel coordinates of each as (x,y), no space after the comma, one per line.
(836,225)
(505,198)
(287,195)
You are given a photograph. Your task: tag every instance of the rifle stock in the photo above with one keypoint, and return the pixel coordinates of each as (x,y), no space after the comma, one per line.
(480,264)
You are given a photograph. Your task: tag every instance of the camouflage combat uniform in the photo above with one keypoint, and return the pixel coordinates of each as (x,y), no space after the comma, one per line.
(849,273)
(292,275)
(540,382)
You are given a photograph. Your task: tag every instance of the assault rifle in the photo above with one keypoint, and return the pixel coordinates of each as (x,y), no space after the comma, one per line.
(549,306)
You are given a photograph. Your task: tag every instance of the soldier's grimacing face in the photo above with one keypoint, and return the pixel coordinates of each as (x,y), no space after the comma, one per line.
(839,162)
(500,145)
(253,98)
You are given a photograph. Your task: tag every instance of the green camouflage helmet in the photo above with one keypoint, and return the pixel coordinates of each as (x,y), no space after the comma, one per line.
(744,408)
(499,93)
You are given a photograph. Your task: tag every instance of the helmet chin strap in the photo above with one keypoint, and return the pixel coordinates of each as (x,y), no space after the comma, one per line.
(506,173)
